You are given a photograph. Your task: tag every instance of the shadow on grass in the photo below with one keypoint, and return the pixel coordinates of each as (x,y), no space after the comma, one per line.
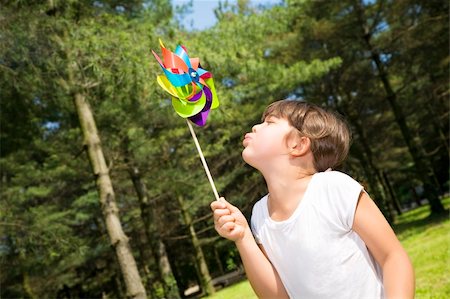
(413,225)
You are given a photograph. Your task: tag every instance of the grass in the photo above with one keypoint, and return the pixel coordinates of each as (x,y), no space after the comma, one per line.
(240,290)
(425,238)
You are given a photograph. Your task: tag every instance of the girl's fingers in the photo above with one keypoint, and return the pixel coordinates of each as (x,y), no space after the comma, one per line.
(218,205)
(221,212)
(228,226)
(225,219)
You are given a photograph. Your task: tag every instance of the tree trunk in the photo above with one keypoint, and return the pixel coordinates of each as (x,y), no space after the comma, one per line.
(202,267)
(150,218)
(146,259)
(118,239)
(391,192)
(169,281)
(366,157)
(434,119)
(372,171)
(374,186)
(27,287)
(218,261)
(415,196)
(423,169)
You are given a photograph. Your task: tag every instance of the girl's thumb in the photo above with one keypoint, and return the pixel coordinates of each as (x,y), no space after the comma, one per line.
(229,205)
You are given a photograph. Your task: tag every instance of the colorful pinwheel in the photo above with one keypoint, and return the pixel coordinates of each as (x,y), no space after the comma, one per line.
(191,87)
(192,90)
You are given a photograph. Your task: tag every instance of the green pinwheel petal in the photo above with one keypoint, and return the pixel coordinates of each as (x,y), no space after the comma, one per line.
(187,109)
(184,91)
(215,100)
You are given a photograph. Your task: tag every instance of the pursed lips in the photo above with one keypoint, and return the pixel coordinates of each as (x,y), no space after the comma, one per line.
(247,137)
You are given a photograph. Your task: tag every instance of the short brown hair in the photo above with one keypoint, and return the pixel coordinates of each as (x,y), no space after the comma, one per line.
(329,134)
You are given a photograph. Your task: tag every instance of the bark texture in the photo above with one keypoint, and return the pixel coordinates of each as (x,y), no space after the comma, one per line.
(118,239)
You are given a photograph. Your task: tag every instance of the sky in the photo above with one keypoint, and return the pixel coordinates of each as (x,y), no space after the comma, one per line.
(202,15)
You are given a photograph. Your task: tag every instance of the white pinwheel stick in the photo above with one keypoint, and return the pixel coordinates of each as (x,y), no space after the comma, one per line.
(208,173)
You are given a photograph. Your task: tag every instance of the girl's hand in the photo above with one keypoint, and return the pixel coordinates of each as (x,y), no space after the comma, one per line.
(229,221)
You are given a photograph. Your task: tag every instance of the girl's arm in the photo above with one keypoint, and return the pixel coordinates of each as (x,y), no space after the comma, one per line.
(231,224)
(380,239)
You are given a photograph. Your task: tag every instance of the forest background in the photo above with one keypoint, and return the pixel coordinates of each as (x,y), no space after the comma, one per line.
(102,191)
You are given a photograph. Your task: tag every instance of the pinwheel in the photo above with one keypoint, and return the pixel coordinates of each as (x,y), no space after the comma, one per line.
(192,90)
(192,87)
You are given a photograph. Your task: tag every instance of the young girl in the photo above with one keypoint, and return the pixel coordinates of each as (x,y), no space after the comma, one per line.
(317,234)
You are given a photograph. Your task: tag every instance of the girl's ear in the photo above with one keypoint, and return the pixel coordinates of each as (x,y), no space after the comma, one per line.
(299,146)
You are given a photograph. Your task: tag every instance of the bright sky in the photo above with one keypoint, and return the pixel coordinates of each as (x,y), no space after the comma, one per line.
(202,15)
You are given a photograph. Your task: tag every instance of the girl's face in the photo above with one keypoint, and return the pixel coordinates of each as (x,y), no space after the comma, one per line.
(266,142)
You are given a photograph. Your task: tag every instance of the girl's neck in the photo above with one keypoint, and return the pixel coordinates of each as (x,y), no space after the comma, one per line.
(285,193)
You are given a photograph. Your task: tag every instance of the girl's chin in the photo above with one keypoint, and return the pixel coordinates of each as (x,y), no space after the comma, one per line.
(246,156)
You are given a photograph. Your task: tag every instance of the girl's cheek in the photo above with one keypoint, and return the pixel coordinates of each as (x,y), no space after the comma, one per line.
(265,150)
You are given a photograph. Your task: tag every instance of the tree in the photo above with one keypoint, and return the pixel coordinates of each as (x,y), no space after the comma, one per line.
(341,28)
(118,239)
(52,36)
(423,168)
(152,227)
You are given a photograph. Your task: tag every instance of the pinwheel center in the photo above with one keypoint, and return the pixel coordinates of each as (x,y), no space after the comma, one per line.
(194,75)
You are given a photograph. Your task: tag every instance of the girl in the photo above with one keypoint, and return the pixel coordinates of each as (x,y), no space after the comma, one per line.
(317,233)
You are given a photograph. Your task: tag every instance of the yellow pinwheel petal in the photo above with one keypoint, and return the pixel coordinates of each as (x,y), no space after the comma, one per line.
(166,85)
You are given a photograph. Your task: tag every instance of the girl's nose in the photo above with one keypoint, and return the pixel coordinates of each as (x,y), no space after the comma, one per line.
(254,128)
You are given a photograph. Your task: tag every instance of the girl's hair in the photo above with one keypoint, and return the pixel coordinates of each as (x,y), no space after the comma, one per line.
(329,134)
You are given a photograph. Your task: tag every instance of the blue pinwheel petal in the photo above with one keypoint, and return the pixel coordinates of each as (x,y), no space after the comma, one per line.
(177,80)
(180,52)
(201,71)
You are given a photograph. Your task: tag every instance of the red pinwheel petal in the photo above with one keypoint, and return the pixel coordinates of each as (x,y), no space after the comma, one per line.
(172,61)
(206,75)
(194,62)
(157,58)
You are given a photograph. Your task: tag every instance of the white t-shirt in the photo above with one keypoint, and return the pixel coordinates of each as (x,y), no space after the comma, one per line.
(315,252)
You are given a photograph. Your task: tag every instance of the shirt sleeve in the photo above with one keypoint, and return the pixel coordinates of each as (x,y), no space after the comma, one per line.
(343,193)
(255,219)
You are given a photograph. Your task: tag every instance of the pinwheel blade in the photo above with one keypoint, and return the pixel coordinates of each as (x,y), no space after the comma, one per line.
(191,87)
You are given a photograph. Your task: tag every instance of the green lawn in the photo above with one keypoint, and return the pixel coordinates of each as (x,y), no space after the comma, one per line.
(426,239)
